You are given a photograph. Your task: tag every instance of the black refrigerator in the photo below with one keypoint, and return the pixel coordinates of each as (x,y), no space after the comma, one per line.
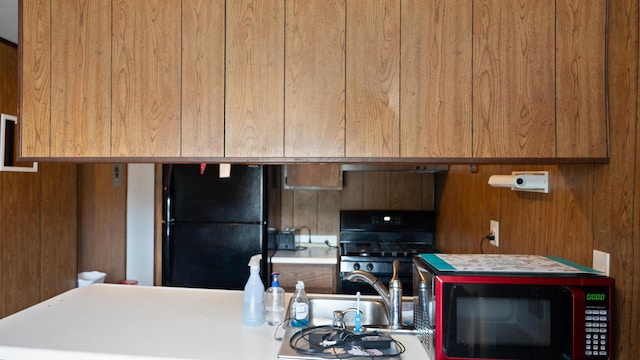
(212,225)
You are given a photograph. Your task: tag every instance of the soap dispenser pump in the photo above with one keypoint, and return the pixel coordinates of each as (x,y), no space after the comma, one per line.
(274,302)
(254,295)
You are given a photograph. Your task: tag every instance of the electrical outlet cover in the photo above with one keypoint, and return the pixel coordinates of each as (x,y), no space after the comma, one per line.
(494,228)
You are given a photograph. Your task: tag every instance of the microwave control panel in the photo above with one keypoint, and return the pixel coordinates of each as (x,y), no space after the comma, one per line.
(597,323)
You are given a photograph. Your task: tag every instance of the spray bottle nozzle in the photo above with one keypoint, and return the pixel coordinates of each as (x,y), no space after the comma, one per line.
(254,263)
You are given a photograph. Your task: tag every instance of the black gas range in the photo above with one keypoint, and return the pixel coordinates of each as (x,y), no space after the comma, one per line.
(371,240)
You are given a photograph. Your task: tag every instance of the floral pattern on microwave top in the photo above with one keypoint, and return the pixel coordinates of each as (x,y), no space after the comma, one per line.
(510,263)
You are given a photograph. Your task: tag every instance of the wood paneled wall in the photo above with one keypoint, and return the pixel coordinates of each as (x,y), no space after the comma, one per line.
(38,222)
(102,221)
(589,206)
(319,210)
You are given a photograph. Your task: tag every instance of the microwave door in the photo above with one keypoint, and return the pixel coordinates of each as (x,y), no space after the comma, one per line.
(505,321)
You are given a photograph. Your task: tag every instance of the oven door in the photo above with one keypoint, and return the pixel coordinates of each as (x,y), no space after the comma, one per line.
(381,268)
(504,321)
(350,287)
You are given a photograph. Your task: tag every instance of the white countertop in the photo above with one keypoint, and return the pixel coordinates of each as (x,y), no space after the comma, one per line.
(135,322)
(308,255)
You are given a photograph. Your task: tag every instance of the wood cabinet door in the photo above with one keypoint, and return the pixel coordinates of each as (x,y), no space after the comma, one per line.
(202,78)
(80,78)
(35,91)
(146,77)
(435,113)
(254,94)
(581,79)
(513,79)
(314,78)
(372,79)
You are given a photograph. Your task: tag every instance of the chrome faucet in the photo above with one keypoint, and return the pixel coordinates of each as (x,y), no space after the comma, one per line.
(338,317)
(391,297)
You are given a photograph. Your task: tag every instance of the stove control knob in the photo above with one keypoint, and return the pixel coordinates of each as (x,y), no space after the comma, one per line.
(369,266)
(356,266)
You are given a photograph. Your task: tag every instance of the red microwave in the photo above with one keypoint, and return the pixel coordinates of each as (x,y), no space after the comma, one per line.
(511,307)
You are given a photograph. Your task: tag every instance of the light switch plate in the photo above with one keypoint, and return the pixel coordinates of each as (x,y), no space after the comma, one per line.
(601,261)
(116,175)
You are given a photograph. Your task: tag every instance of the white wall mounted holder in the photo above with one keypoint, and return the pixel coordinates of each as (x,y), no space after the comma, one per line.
(531,181)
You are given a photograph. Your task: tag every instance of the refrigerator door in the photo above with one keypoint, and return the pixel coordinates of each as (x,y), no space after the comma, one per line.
(214,256)
(196,197)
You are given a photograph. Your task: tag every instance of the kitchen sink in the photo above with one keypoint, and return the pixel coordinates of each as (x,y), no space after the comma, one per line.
(321,308)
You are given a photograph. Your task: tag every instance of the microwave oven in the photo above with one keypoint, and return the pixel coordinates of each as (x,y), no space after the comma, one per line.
(511,307)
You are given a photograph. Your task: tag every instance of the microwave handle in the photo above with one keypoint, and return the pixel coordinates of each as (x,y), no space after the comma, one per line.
(578,301)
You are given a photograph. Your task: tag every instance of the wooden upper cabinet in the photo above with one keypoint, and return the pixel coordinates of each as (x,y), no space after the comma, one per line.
(146,78)
(513,79)
(203,35)
(310,80)
(35,82)
(539,79)
(81,78)
(436,91)
(254,78)
(373,79)
(581,79)
(101,78)
(314,78)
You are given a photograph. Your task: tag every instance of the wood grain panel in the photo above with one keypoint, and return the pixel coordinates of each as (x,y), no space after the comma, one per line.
(287,209)
(318,278)
(514,79)
(5,290)
(146,78)
(572,226)
(314,78)
(37,258)
(521,213)
(580,62)
(351,196)
(320,209)
(615,211)
(375,190)
(313,176)
(435,113)
(101,222)
(81,78)
(467,204)
(630,309)
(58,228)
(203,35)
(9,83)
(405,191)
(305,211)
(328,212)
(35,82)
(372,78)
(8,105)
(21,240)
(254,95)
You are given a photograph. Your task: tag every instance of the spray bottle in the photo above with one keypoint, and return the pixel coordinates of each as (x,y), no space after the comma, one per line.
(254,295)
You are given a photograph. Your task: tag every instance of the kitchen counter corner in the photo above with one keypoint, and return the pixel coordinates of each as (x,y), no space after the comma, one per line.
(135,322)
(107,321)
